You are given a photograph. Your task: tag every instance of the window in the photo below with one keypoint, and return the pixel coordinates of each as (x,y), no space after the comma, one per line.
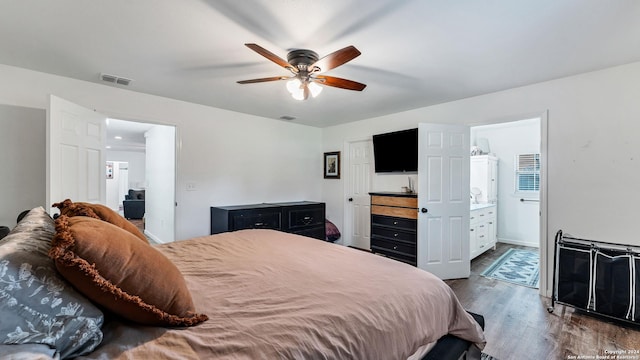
(528,173)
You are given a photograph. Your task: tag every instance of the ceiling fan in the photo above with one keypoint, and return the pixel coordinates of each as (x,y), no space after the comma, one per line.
(305,67)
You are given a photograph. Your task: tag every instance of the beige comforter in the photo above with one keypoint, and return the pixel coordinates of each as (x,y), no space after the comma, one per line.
(272,295)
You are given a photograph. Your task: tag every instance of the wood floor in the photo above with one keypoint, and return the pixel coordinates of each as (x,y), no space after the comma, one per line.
(518,325)
(139,223)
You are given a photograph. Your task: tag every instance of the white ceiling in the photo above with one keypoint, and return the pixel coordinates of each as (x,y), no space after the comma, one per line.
(125,135)
(415,53)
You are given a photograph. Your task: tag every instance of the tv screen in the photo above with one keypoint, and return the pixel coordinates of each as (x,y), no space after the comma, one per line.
(396,151)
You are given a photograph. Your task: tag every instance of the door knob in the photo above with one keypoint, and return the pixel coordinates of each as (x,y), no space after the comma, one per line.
(350,199)
(424,210)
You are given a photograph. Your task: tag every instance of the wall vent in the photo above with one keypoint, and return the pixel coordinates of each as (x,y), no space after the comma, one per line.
(115,79)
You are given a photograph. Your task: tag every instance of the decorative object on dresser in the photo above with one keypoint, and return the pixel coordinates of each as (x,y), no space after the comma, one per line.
(394,225)
(303,218)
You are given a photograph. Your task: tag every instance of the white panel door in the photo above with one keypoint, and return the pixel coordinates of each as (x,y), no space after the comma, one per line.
(76,157)
(358,215)
(443,199)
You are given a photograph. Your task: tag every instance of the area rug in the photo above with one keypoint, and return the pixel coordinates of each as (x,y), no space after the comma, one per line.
(516,266)
(487,357)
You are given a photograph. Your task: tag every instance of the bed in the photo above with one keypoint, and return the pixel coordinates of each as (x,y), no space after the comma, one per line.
(264,294)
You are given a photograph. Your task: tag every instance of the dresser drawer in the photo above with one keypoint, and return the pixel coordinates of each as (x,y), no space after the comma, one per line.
(304,217)
(483,214)
(264,219)
(403,223)
(393,234)
(395,246)
(408,258)
(397,201)
(394,211)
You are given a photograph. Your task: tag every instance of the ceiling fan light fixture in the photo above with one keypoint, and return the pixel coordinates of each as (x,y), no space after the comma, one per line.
(297,88)
(315,89)
(294,86)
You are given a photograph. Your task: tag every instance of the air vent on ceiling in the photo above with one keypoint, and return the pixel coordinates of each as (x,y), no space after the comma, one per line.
(287,117)
(115,79)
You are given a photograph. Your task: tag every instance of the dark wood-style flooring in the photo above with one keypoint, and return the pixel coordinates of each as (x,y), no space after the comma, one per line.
(139,223)
(518,325)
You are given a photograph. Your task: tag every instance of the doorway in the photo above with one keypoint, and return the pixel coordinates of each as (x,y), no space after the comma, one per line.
(518,185)
(142,156)
(520,146)
(357,222)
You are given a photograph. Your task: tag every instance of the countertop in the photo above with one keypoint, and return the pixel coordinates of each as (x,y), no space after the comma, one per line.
(473,206)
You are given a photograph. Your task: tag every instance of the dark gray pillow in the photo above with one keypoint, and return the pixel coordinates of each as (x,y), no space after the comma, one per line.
(37,306)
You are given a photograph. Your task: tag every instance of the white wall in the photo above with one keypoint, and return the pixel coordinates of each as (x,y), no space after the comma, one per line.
(117,187)
(22,161)
(232,158)
(136,160)
(113,187)
(593,160)
(518,222)
(159,193)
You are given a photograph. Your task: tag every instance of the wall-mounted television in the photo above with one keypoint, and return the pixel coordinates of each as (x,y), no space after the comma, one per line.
(396,151)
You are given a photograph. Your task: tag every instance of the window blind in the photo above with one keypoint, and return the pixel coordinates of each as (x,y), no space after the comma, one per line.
(528,172)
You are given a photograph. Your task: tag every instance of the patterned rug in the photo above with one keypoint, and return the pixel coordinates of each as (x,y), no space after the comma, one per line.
(487,357)
(516,266)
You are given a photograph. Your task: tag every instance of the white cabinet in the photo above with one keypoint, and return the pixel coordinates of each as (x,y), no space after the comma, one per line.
(483,214)
(484,176)
(482,228)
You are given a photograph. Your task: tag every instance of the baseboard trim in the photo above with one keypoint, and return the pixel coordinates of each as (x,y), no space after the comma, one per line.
(152,238)
(519,242)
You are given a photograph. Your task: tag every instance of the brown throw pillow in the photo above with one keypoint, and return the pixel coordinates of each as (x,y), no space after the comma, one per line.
(98,211)
(114,269)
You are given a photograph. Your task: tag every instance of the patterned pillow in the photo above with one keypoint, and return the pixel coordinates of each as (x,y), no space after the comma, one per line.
(37,306)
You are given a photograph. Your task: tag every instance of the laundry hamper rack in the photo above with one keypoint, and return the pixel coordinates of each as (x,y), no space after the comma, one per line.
(597,277)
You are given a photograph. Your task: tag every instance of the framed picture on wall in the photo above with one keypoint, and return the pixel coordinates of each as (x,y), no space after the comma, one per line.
(332,165)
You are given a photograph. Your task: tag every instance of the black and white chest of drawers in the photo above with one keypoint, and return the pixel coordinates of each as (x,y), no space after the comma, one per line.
(304,218)
(394,226)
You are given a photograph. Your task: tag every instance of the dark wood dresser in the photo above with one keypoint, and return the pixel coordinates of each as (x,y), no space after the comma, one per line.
(394,225)
(303,217)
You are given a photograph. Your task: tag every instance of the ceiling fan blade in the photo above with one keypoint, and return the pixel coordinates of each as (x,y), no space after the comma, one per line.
(336,59)
(271,56)
(273,78)
(339,83)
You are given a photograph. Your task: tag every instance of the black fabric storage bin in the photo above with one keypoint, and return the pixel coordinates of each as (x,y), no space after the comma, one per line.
(574,271)
(612,284)
(600,277)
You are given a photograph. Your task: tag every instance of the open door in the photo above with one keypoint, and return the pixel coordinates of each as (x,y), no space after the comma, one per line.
(443,199)
(75,153)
